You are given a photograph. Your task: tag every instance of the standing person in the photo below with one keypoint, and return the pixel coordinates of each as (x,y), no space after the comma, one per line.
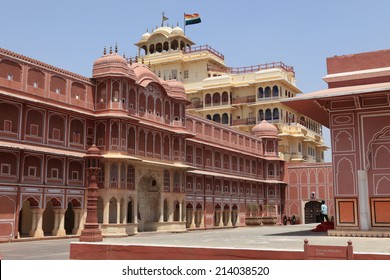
(324,212)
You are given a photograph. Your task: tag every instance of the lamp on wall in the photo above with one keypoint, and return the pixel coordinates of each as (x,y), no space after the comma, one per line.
(312,195)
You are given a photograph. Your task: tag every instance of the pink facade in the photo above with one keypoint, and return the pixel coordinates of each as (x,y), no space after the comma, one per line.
(356,109)
(308,185)
(161,170)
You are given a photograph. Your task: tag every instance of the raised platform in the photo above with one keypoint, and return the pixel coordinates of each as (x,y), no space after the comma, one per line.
(358,233)
(103,251)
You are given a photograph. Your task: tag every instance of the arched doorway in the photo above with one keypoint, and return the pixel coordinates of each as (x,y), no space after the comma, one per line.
(226,215)
(234,216)
(148,204)
(25,216)
(312,212)
(48,219)
(130,212)
(217,215)
(69,219)
(113,211)
(176,213)
(189,214)
(199,215)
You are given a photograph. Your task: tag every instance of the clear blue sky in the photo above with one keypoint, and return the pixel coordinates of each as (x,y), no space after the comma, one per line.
(302,33)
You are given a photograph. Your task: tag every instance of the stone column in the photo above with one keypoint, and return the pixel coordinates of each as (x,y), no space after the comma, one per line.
(59,220)
(118,212)
(219,217)
(161,218)
(135,209)
(229,218)
(106,211)
(78,221)
(364,207)
(192,216)
(124,211)
(201,213)
(171,211)
(36,226)
(180,212)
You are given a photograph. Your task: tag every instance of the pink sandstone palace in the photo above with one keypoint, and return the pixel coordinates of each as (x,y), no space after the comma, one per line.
(164,169)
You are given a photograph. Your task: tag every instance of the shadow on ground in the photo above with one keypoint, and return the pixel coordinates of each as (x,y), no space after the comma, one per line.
(299,233)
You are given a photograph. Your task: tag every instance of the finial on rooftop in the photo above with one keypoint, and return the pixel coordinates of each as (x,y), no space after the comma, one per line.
(104,50)
(142,60)
(124,56)
(136,59)
(110,49)
(116,47)
(131,60)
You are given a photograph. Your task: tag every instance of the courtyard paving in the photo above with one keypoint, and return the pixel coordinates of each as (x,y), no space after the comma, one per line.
(267,238)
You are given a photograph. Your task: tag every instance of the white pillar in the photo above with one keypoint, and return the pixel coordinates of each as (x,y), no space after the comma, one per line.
(180,212)
(106,211)
(170,211)
(36,226)
(161,218)
(78,221)
(229,220)
(59,221)
(118,212)
(191,217)
(364,207)
(220,218)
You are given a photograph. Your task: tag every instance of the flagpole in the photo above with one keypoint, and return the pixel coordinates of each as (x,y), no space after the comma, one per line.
(184,21)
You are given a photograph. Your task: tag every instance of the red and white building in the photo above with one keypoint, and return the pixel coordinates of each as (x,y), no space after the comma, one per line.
(162,169)
(356,109)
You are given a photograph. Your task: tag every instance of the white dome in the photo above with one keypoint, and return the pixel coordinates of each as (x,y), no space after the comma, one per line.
(177,31)
(145,36)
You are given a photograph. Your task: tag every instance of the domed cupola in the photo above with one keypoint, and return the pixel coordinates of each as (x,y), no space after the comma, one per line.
(145,36)
(111,64)
(177,31)
(265,129)
(177,89)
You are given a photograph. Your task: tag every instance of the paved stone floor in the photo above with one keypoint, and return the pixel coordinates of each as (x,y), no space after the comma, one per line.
(274,238)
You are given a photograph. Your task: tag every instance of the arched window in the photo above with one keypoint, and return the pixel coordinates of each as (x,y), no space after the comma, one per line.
(174,45)
(225,118)
(159,47)
(275,114)
(216,98)
(208,117)
(150,104)
(217,118)
(261,115)
(115,92)
(267,92)
(275,91)
(158,107)
(260,92)
(207,99)
(225,98)
(151,49)
(268,115)
(166,46)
